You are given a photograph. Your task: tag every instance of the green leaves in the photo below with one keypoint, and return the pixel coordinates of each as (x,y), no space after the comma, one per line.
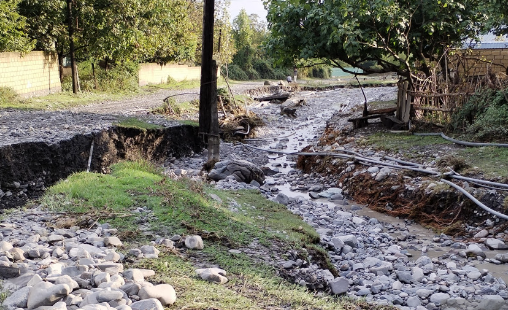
(358,31)
(156,30)
(13,35)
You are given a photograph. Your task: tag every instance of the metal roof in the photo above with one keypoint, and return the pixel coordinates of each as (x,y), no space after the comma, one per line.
(485,45)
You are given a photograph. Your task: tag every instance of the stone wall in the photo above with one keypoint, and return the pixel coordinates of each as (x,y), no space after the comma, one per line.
(151,73)
(33,74)
(480,61)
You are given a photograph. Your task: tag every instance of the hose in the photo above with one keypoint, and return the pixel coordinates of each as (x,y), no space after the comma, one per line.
(481,205)
(461,142)
(412,168)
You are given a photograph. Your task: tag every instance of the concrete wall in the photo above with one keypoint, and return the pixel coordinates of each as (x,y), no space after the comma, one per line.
(34,74)
(151,73)
(495,59)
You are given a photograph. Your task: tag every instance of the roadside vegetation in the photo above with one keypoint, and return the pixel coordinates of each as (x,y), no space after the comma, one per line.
(229,220)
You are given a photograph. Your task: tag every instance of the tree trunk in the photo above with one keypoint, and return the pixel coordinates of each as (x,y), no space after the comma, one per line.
(60,65)
(71,45)
(93,73)
(208,117)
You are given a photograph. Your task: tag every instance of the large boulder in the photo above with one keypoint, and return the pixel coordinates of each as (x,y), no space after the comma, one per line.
(241,170)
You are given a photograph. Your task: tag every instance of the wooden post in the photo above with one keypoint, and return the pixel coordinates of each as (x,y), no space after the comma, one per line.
(208,117)
(71,46)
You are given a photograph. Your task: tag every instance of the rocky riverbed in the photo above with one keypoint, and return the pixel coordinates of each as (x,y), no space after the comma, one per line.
(382,259)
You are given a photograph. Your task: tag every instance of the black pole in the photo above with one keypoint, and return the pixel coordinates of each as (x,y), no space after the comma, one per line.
(208,118)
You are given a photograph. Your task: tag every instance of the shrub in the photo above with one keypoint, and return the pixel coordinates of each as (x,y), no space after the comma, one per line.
(264,68)
(121,77)
(281,74)
(252,74)
(236,73)
(484,116)
(321,72)
(7,95)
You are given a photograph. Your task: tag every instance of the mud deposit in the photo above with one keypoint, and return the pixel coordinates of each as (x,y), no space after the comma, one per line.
(28,168)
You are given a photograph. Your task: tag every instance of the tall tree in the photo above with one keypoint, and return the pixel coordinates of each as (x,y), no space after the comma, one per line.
(403,36)
(224,43)
(158,30)
(13,35)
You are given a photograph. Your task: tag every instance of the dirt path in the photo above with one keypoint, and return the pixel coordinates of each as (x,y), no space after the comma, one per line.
(144,103)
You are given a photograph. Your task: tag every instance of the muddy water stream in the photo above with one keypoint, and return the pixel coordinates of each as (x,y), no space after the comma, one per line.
(294,138)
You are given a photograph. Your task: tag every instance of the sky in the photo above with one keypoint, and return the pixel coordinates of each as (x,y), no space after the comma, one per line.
(251,6)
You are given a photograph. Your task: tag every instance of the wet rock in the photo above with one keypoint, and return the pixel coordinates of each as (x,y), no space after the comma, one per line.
(503,258)
(495,244)
(482,234)
(475,250)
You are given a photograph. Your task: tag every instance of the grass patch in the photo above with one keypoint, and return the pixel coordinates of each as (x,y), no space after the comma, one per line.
(174,85)
(189,123)
(63,100)
(132,122)
(182,206)
(492,161)
(234,219)
(172,108)
(400,142)
(248,288)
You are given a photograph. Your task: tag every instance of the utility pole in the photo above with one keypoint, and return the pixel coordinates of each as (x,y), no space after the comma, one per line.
(70,26)
(208,116)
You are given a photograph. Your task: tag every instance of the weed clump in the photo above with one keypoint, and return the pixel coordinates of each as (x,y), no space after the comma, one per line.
(484,117)
(7,95)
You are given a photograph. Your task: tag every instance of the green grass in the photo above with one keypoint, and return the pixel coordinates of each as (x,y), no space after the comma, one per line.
(132,122)
(400,142)
(174,85)
(189,122)
(492,161)
(185,207)
(64,100)
(248,287)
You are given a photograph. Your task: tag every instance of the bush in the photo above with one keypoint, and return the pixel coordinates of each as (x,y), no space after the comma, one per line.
(236,73)
(121,77)
(484,116)
(281,74)
(252,74)
(321,72)
(264,68)
(7,95)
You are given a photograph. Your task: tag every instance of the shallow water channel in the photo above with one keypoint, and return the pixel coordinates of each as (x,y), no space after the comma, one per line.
(297,135)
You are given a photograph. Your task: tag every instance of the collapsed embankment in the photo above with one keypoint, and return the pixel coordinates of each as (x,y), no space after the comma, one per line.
(405,193)
(26,169)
